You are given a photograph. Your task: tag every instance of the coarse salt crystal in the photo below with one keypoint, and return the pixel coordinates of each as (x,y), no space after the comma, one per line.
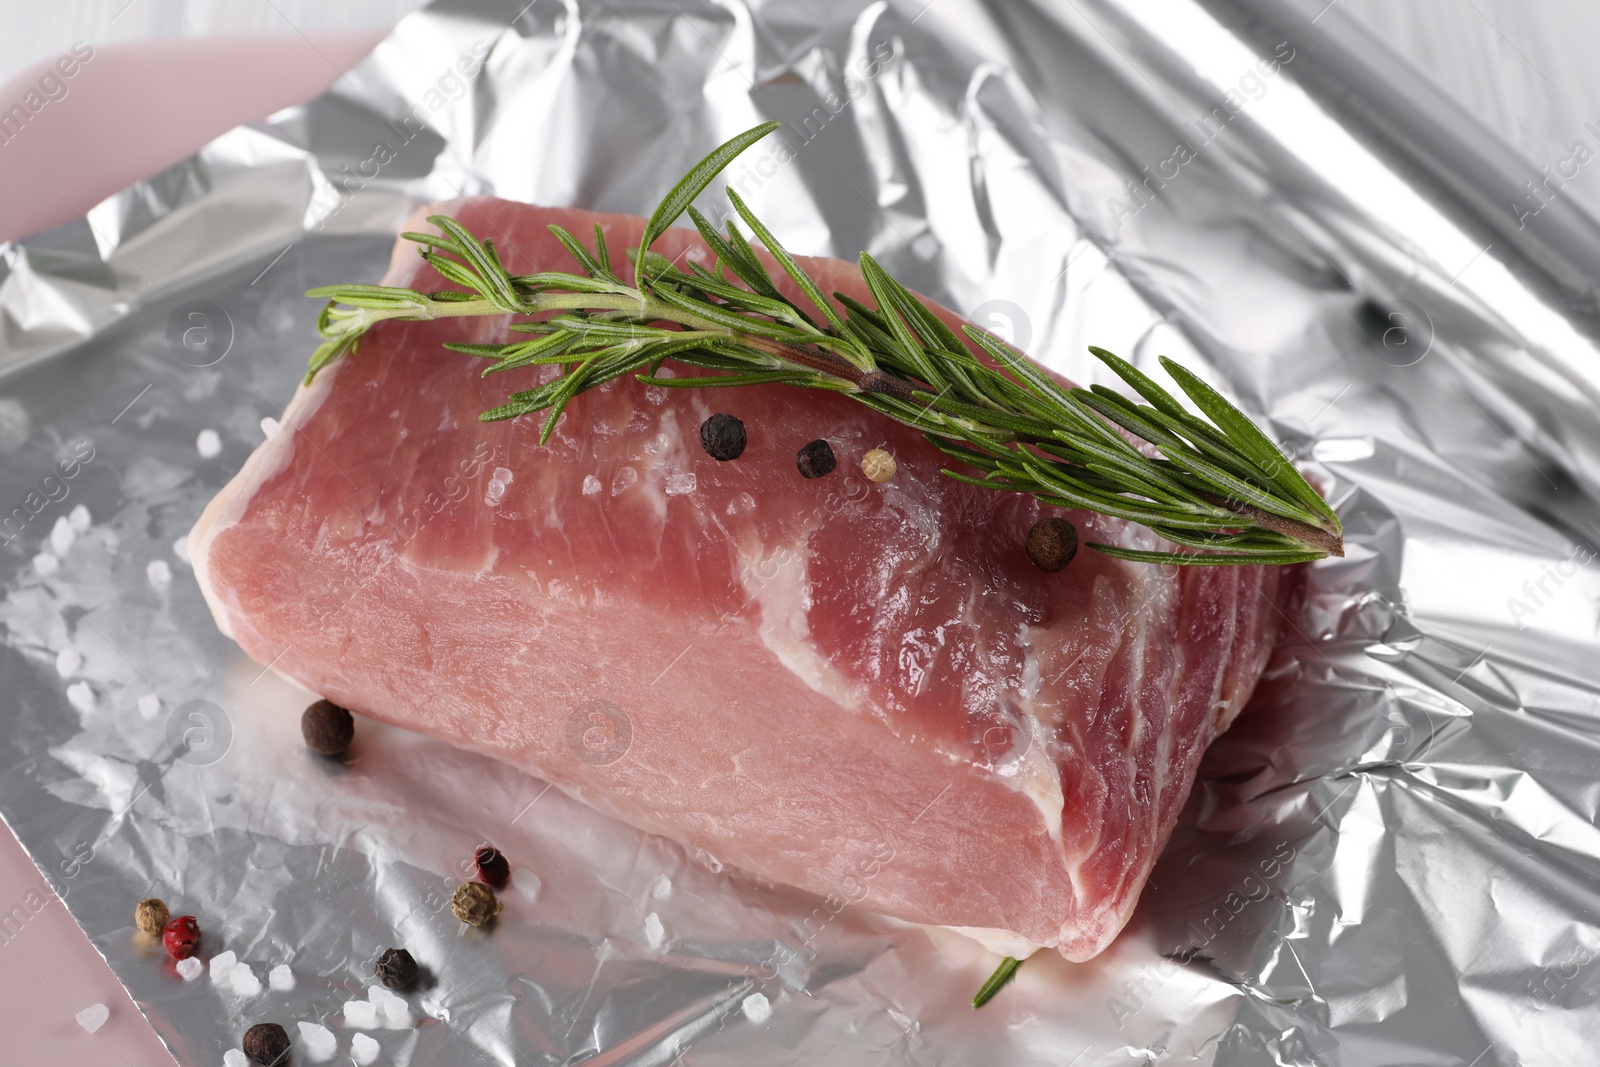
(81,695)
(391,1008)
(657,444)
(757,1008)
(234,1058)
(623,480)
(46,563)
(654,932)
(501,475)
(740,504)
(526,883)
(679,483)
(68,660)
(360,1014)
(319,1042)
(363,1049)
(158,574)
(221,965)
(208,443)
(270,427)
(591,485)
(62,535)
(78,518)
(281,978)
(492,495)
(93,1017)
(662,888)
(244,981)
(180,548)
(149,705)
(189,969)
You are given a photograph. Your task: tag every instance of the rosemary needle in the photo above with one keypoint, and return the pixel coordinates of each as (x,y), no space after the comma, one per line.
(1002,974)
(1210,483)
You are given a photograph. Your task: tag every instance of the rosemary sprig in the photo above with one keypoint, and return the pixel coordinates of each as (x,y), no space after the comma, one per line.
(1002,974)
(1215,485)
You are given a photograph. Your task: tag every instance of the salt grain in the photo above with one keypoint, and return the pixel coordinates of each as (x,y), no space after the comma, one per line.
(149,705)
(657,444)
(363,1049)
(180,548)
(654,932)
(741,504)
(244,981)
(360,1014)
(221,965)
(757,1008)
(492,495)
(281,978)
(68,660)
(318,1041)
(391,1008)
(190,969)
(158,574)
(46,563)
(526,883)
(623,481)
(93,1017)
(270,427)
(662,888)
(679,483)
(81,695)
(591,485)
(234,1058)
(208,444)
(79,519)
(62,535)
(502,475)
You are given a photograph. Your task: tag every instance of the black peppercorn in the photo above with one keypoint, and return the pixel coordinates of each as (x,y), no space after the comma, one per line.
(328,728)
(722,436)
(396,969)
(1052,543)
(492,865)
(266,1044)
(815,459)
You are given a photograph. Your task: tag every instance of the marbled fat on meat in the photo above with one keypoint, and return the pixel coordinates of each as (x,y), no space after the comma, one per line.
(857,688)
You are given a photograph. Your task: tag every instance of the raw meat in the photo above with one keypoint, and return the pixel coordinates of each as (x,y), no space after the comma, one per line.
(864,690)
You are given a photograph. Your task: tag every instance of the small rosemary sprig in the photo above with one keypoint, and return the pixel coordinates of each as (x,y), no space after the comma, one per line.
(1002,974)
(1217,485)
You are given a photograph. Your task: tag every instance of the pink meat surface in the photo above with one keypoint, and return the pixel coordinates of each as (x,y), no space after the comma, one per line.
(861,689)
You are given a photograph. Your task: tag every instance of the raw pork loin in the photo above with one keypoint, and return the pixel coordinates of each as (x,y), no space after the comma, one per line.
(862,689)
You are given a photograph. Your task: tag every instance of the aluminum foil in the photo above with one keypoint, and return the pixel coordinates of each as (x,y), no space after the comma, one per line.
(1391,858)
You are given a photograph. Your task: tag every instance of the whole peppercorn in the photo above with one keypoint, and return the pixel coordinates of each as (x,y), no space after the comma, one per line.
(722,436)
(327,728)
(492,865)
(181,937)
(1052,543)
(396,969)
(815,459)
(152,916)
(475,904)
(878,465)
(266,1044)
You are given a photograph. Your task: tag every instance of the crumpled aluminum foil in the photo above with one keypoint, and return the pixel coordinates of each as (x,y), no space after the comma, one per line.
(1391,858)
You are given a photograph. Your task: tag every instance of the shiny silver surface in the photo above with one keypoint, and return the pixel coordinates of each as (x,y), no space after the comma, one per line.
(1391,858)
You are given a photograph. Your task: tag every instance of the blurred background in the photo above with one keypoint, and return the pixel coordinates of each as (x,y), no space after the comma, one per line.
(1522,72)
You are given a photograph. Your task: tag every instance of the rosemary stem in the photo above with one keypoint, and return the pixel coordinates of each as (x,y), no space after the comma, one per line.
(1316,536)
